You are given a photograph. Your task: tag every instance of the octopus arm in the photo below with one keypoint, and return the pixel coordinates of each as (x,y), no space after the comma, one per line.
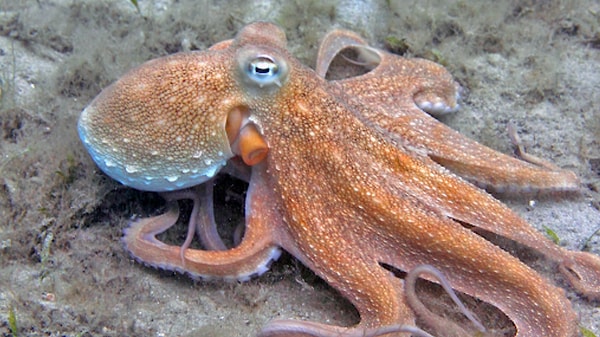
(251,257)
(477,208)
(404,229)
(409,91)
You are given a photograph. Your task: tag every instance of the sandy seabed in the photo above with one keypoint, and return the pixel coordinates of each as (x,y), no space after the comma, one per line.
(535,64)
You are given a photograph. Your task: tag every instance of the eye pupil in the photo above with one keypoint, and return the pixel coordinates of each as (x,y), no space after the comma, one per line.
(263,66)
(262,70)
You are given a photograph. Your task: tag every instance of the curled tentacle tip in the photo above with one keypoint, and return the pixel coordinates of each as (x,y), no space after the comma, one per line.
(582,270)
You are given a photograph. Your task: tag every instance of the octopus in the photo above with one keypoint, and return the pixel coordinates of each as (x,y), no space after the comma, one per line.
(354,177)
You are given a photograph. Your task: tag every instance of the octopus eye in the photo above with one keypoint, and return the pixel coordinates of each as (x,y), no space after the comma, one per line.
(264,70)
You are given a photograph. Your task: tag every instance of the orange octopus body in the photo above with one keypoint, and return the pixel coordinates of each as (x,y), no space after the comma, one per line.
(346,175)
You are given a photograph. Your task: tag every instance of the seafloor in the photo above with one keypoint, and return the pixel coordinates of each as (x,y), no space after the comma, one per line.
(64,271)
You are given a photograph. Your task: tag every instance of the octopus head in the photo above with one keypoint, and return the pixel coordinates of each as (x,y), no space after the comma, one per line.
(174,122)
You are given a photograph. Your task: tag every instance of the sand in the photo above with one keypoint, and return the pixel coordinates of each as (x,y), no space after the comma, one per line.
(535,64)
